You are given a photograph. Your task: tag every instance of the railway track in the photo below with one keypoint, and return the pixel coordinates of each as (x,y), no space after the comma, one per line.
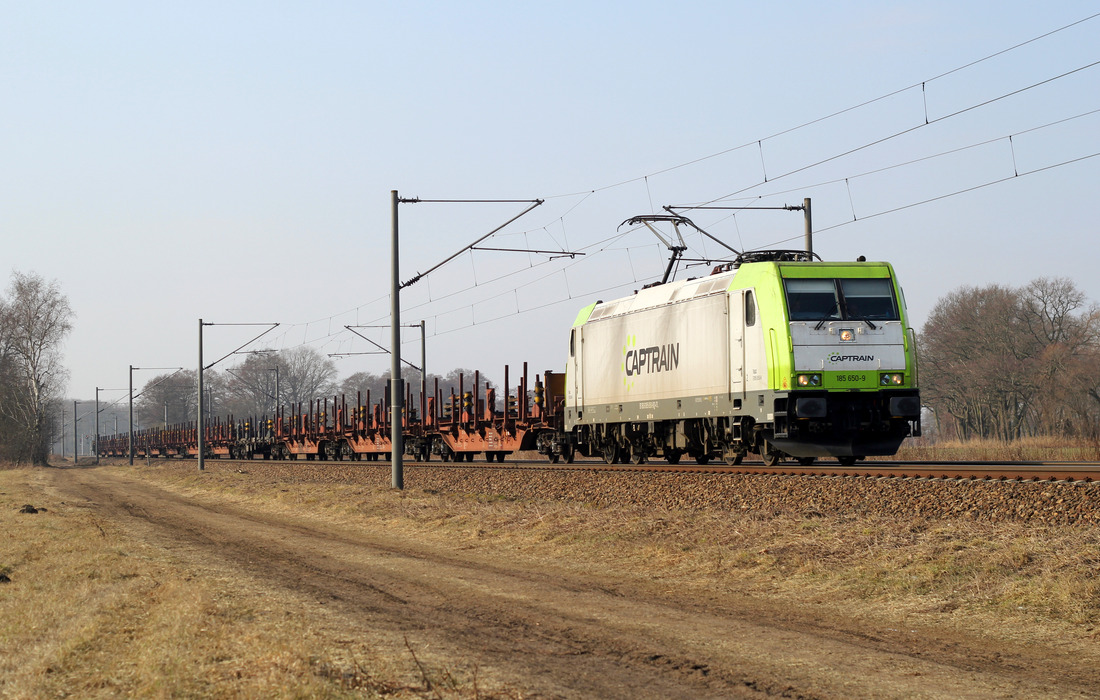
(1073,472)
(959,471)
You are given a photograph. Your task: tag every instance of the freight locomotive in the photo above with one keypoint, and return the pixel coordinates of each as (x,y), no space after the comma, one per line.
(777,354)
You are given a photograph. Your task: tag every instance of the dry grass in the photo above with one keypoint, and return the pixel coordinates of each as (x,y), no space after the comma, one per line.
(91,610)
(1032,449)
(1022,580)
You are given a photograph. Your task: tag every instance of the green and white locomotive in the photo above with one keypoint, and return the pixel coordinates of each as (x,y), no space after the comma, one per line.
(777,354)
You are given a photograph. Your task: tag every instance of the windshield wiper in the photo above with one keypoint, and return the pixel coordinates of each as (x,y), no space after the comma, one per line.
(828,316)
(865,320)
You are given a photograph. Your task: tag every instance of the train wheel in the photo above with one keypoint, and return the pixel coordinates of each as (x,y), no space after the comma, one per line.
(846,461)
(553,457)
(637,457)
(770,458)
(806,461)
(733,458)
(611,453)
(673,456)
(702,459)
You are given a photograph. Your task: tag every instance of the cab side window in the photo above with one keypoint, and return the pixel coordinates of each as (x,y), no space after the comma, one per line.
(750,309)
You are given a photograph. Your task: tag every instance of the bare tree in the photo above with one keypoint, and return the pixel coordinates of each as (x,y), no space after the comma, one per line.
(356,386)
(1047,310)
(34,320)
(10,386)
(173,394)
(1055,312)
(974,361)
(305,374)
(1004,363)
(252,385)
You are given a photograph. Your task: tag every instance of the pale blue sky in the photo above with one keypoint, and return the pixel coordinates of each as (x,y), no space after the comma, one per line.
(233,161)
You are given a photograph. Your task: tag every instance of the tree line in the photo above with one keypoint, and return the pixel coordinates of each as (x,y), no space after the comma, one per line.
(1003,362)
(266,380)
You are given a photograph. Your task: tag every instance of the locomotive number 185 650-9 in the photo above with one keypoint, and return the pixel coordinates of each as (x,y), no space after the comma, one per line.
(851,377)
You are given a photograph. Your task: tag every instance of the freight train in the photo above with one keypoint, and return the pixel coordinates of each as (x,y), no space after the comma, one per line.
(777,354)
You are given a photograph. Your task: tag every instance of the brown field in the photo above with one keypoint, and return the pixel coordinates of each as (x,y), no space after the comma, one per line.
(158,581)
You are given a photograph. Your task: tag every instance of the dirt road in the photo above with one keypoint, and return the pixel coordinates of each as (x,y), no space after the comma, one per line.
(563,634)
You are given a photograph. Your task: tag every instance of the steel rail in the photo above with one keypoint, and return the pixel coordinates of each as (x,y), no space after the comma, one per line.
(1088,472)
(954,471)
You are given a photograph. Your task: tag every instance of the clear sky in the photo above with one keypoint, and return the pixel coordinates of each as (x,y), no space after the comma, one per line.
(233,161)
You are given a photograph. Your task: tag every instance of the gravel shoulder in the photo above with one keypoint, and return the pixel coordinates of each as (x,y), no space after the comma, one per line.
(550,630)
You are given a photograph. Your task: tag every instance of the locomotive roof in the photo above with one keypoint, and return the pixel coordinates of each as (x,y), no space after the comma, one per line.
(673,292)
(663,294)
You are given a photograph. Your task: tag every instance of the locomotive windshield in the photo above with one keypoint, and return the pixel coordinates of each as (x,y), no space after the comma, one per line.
(841,299)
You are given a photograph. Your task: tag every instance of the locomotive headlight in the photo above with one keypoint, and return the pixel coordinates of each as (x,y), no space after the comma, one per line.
(847,335)
(808,380)
(891,379)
